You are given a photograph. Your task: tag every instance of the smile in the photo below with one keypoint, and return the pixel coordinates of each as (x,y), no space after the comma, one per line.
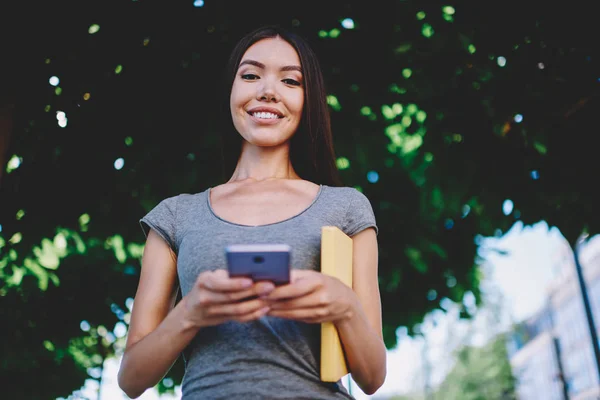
(264,118)
(265,115)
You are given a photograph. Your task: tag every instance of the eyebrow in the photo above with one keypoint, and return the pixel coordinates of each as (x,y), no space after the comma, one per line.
(262,66)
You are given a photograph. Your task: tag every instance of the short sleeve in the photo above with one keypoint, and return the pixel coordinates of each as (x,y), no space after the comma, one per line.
(162,219)
(359,215)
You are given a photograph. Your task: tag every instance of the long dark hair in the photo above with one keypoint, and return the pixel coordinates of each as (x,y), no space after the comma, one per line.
(311,147)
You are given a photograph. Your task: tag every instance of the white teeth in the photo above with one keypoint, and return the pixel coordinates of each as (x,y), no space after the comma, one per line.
(265,115)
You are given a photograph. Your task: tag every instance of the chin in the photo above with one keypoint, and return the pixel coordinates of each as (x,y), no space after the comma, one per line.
(268,140)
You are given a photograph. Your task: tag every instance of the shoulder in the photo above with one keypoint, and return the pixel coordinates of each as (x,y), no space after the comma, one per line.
(190,199)
(346,200)
(355,209)
(349,195)
(182,200)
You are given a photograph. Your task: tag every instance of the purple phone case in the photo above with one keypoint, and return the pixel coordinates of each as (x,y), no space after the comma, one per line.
(271,266)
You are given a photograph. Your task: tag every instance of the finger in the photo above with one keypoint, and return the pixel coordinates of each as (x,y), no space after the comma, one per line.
(232,310)
(299,288)
(219,281)
(261,312)
(313,299)
(308,315)
(215,321)
(251,316)
(260,289)
(297,274)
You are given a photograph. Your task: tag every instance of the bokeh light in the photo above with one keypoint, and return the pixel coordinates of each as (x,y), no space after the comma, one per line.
(342,163)
(14,163)
(335,32)
(451,281)
(466,209)
(334,102)
(348,23)
(432,295)
(448,10)
(427,30)
(120,329)
(119,163)
(372,176)
(61,117)
(85,326)
(168,382)
(535,175)
(507,206)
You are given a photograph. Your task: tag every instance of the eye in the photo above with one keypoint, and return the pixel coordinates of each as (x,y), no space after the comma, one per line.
(292,82)
(250,77)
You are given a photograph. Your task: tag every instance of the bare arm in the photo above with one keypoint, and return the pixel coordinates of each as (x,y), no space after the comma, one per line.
(158,333)
(361,333)
(313,297)
(152,326)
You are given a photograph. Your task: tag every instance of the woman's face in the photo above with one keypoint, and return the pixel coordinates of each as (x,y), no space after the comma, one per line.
(267,96)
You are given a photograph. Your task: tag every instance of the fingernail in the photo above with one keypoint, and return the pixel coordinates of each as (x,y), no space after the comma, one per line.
(265,291)
(265,295)
(246,283)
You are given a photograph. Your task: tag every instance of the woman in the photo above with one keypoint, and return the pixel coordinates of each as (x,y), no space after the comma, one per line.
(247,339)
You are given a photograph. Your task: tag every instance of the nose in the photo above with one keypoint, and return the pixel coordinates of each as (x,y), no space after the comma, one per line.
(267,91)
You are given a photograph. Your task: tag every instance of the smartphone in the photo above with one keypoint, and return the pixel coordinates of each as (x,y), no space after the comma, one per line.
(260,262)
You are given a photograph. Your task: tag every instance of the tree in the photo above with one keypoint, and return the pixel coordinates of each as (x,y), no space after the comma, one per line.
(480,373)
(441,113)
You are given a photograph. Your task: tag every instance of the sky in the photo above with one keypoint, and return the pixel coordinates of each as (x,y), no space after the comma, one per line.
(535,254)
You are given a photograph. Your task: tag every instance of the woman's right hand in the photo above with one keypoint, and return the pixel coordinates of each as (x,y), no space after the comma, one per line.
(216,298)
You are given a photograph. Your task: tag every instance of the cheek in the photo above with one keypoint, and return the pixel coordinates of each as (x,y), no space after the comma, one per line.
(236,108)
(238,97)
(234,97)
(298,104)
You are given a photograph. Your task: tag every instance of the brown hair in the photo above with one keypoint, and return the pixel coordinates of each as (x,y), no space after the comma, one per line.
(311,147)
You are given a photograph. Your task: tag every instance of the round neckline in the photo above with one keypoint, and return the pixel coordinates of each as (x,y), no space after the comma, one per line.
(214,214)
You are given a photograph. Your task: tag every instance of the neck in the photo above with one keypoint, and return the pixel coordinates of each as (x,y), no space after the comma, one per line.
(262,163)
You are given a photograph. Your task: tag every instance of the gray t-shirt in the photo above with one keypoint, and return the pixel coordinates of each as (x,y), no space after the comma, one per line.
(270,358)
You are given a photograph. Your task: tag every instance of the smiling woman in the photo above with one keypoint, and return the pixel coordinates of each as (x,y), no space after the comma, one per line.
(267,96)
(251,339)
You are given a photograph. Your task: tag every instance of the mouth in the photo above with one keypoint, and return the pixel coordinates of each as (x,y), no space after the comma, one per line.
(265,114)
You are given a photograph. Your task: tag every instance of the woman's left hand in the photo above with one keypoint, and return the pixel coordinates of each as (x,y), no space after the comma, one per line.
(312,297)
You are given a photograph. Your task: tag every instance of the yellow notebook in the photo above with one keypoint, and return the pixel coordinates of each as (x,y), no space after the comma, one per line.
(336,260)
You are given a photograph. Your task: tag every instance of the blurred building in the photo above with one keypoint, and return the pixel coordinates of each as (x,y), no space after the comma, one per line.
(552,350)
(535,360)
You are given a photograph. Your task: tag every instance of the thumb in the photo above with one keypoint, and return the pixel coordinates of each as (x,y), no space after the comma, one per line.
(298,274)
